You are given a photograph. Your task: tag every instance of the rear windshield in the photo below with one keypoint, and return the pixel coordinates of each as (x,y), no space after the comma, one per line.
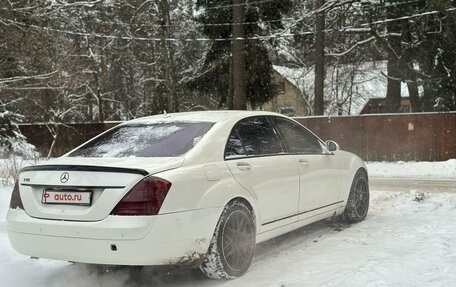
(151,140)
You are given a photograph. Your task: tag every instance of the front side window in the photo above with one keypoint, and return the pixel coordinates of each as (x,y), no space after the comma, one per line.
(298,138)
(146,140)
(253,137)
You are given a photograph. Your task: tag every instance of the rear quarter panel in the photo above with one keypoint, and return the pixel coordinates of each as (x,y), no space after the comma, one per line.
(203,186)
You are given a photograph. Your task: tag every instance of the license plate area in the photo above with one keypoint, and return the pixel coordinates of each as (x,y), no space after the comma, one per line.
(67,196)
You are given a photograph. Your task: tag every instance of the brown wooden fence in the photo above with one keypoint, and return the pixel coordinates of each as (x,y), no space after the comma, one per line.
(382,137)
(391,137)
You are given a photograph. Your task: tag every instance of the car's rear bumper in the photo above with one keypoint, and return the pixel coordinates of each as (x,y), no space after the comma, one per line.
(177,238)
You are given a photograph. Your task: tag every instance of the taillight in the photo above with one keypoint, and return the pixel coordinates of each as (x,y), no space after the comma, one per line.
(16,201)
(145,198)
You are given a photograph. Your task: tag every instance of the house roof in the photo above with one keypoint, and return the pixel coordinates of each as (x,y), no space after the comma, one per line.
(297,76)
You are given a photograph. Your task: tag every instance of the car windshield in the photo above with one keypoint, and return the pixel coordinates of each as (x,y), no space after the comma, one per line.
(146,140)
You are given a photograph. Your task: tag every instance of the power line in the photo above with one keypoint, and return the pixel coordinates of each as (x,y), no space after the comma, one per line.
(331,2)
(237,5)
(203,24)
(400,18)
(231,23)
(112,37)
(392,4)
(247,3)
(328,4)
(359,27)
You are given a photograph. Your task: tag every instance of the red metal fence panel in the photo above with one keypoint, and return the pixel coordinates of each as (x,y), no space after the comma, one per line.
(381,137)
(391,137)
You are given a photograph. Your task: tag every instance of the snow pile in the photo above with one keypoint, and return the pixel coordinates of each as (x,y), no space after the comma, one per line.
(17,146)
(435,170)
(5,195)
(10,167)
(12,141)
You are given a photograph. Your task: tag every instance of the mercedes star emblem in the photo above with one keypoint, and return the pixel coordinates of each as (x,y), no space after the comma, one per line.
(64,177)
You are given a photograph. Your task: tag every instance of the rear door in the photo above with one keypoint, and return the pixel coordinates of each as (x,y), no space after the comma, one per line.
(257,160)
(320,173)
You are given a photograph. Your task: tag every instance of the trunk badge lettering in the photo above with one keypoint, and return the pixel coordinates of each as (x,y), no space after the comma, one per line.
(64,177)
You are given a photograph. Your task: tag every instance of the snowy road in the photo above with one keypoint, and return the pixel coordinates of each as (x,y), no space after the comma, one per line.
(402,242)
(407,184)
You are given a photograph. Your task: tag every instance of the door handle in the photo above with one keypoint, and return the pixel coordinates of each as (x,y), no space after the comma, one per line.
(304,162)
(243,166)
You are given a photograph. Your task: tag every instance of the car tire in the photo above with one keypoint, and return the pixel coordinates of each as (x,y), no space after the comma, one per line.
(233,244)
(358,199)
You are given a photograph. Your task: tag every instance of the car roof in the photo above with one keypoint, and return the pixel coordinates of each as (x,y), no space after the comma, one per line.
(199,116)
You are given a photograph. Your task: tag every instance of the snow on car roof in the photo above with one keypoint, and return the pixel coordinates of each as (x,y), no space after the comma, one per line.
(199,116)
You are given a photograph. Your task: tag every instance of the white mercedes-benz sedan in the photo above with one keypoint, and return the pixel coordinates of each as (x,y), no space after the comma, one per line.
(199,188)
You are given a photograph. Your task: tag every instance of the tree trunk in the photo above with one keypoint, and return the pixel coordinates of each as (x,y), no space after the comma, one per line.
(412,86)
(157,104)
(428,94)
(415,101)
(97,77)
(169,66)
(103,83)
(238,47)
(393,90)
(428,97)
(319,81)
(229,98)
(100,103)
(130,87)
(150,104)
(54,131)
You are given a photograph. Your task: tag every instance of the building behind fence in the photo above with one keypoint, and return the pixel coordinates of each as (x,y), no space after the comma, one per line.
(381,137)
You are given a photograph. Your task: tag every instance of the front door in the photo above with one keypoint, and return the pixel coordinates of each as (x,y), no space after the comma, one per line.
(320,176)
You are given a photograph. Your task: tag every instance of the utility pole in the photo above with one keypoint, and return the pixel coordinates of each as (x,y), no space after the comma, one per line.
(238,58)
(319,58)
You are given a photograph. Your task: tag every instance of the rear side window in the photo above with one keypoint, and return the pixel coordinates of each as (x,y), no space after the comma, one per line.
(148,140)
(234,147)
(298,138)
(253,137)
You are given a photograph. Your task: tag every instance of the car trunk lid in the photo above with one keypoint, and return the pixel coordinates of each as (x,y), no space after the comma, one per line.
(83,189)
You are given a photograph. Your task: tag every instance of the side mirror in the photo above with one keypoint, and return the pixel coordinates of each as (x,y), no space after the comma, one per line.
(332,146)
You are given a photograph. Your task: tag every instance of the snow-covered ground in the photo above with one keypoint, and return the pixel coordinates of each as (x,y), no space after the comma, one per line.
(431,170)
(402,242)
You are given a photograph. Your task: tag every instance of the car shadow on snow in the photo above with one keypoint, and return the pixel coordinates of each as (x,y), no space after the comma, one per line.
(126,276)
